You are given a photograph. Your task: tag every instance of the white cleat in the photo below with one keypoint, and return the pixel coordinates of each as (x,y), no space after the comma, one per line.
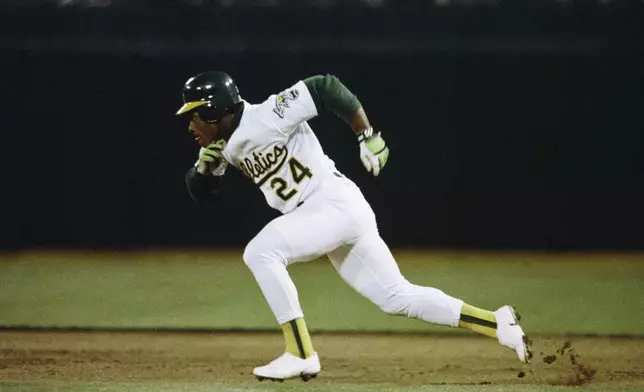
(289,366)
(510,334)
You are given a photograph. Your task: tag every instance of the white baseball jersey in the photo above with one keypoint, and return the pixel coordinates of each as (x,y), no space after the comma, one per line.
(275,147)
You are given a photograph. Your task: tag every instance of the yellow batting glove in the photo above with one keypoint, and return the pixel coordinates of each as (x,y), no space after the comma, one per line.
(211,160)
(373,151)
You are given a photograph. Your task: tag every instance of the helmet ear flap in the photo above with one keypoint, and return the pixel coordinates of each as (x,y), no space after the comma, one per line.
(209,113)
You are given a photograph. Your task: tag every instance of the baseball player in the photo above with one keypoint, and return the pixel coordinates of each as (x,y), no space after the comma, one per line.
(323,211)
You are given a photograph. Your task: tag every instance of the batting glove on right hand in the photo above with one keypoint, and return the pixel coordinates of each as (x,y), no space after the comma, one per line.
(211,161)
(373,151)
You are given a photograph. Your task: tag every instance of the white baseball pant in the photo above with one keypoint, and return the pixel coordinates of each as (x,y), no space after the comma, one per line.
(337,221)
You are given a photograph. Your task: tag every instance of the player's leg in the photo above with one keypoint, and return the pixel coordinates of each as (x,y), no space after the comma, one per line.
(369,267)
(311,231)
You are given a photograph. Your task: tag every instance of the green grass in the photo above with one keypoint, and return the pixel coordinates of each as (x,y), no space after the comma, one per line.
(556,293)
(287,386)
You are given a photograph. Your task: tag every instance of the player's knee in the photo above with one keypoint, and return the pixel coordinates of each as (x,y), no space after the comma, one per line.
(252,254)
(393,307)
(259,252)
(398,301)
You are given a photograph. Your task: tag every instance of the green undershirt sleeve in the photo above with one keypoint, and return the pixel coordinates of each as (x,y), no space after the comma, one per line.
(203,189)
(330,94)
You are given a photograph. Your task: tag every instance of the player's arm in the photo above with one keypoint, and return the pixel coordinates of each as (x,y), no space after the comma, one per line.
(204,179)
(329,93)
(203,189)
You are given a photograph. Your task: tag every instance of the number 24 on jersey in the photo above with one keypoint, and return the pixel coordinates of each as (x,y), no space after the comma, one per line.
(298,172)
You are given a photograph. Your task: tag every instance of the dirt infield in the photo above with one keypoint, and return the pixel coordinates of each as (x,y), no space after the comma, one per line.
(401,359)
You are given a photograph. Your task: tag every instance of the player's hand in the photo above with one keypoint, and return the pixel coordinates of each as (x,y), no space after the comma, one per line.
(373,151)
(211,161)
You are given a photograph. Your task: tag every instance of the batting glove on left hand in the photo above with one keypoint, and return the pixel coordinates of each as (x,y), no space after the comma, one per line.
(373,151)
(211,161)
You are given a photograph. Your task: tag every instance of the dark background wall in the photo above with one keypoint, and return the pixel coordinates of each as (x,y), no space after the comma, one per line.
(509,126)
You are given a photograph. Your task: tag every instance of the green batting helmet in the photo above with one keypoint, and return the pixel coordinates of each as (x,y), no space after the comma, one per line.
(212,94)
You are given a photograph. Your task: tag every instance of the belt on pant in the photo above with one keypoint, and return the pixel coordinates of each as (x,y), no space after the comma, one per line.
(337,174)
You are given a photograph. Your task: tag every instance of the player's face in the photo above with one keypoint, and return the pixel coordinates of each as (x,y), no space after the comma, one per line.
(203,132)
